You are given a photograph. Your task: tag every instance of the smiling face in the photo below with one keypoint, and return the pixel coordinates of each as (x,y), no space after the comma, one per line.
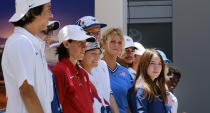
(155,67)
(128,55)
(91,58)
(172,77)
(76,49)
(44,17)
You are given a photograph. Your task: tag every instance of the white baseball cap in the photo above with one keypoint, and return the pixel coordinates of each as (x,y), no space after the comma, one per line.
(23,6)
(140,49)
(128,42)
(88,21)
(73,32)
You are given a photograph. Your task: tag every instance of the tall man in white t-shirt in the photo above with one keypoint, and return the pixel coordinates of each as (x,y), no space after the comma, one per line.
(28,83)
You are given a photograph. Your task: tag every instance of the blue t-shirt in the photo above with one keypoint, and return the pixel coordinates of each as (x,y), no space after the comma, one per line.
(120,83)
(55,105)
(138,104)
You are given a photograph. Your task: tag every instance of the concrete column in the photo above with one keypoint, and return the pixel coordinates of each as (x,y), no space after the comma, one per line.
(112,12)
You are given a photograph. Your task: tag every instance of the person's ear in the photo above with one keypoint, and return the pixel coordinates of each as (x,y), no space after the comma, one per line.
(66,44)
(102,44)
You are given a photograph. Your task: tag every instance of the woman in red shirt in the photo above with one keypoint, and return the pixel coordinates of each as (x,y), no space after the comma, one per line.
(72,82)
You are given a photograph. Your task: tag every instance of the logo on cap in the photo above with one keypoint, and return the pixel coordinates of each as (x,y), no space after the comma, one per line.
(81,22)
(93,19)
(128,40)
(31,5)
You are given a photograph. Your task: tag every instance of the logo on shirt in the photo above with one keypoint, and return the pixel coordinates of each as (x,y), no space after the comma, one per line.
(122,73)
(85,79)
(104,70)
(36,53)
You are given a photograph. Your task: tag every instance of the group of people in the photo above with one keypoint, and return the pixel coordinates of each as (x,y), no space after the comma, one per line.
(94,73)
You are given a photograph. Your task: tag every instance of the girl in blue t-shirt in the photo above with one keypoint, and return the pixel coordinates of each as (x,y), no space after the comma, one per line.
(149,93)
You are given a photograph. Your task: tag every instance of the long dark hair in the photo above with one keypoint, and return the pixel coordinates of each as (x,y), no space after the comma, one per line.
(62,51)
(150,86)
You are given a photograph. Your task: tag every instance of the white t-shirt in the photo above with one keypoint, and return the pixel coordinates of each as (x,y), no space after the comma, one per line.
(24,59)
(132,73)
(101,75)
(95,92)
(172,101)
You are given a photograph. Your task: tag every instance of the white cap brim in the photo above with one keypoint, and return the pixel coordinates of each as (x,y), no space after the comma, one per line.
(25,8)
(79,38)
(131,45)
(17,16)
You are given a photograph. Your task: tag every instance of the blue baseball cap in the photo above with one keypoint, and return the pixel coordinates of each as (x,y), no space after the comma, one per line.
(164,56)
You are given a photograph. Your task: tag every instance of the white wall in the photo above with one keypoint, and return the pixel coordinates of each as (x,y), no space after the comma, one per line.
(112,12)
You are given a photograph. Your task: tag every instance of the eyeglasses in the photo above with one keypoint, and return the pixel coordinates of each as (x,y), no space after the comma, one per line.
(94,33)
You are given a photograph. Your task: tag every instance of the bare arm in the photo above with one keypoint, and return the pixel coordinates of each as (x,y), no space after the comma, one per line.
(113,104)
(129,111)
(30,98)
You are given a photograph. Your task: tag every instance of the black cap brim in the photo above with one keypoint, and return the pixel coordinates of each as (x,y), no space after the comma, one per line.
(91,39)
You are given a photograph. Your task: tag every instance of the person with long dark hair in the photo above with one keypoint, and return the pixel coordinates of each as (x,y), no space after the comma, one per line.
(72,81)
(149,93)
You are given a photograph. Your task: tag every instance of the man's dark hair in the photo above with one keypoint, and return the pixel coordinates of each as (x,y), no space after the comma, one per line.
(175,71)
(29,16)
(62,51)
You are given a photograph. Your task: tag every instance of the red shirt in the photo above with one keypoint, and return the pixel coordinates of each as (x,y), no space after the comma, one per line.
(72,83)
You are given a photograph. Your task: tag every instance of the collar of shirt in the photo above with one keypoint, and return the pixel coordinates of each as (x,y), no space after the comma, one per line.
(115,68)
(131,70)
(74,69)
(39,44)
(141,84)
(132,73)
(91,77)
